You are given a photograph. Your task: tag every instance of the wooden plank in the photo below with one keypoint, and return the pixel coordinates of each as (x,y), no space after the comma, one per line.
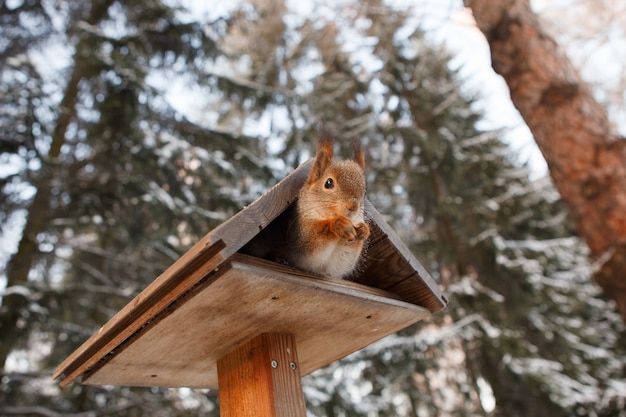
(262,379)
(391,266)
(329,318)
(205,255)
(177,280)
(247,223)
(387,263)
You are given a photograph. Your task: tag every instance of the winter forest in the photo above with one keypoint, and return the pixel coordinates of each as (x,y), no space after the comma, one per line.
(128,130)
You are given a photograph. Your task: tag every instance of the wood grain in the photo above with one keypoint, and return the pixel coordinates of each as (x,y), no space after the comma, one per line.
(391,266)
(146,305)
(387,263)
(329,318)
(261,378)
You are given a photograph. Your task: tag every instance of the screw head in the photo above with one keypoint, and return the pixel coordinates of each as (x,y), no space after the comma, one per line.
(292,365)
(274,364)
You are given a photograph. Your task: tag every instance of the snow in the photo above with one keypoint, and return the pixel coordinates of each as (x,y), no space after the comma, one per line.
(487,399)
(161,195)
(470,286)
(565,390)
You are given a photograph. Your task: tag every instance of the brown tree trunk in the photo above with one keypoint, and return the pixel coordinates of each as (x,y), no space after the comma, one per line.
(587,161)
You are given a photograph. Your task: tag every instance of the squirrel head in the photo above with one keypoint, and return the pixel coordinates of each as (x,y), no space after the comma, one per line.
(335,186)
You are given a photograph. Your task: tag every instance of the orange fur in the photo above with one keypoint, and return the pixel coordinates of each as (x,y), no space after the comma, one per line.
(323,158)
(359,158)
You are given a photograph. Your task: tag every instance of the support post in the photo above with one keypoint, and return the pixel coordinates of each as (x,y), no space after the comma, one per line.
(261,379)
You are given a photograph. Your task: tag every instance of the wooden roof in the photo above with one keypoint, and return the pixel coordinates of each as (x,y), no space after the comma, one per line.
(215,298)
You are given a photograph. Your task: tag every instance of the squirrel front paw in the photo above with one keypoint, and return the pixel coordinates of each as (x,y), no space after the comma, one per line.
(344,228)
(362,231)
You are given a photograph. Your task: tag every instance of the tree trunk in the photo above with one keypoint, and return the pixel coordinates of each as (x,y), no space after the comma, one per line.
(21,262)
(586,160)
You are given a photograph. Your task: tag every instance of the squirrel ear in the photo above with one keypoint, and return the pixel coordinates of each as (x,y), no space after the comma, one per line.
(324,156)
(359,158)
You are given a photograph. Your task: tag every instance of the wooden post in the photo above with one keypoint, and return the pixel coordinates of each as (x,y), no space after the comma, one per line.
(261,379)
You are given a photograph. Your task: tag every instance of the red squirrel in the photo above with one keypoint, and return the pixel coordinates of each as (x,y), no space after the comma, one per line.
(329,231)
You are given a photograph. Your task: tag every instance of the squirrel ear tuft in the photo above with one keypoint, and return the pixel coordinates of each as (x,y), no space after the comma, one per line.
(359,158)
(324,156)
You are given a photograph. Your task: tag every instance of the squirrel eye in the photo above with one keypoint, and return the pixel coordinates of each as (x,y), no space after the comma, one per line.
(329,183)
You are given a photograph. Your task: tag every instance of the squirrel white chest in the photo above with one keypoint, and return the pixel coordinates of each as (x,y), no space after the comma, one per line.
(334,256)
(336,259)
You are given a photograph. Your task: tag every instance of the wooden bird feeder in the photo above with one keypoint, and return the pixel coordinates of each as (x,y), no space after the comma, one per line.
(218,318)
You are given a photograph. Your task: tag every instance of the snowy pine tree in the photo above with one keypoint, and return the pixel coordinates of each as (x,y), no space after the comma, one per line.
(111,182)
(130,182)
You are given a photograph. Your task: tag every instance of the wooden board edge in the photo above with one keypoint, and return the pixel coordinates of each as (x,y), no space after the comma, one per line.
(174,281)
(418,317)
(282,195)
(214,274)
(437,296)
(341,286)
(259,266)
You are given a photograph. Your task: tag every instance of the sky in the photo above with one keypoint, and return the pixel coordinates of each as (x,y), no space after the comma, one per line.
(448,22)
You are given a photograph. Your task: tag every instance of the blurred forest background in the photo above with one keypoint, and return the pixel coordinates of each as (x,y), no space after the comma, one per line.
(104,183)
